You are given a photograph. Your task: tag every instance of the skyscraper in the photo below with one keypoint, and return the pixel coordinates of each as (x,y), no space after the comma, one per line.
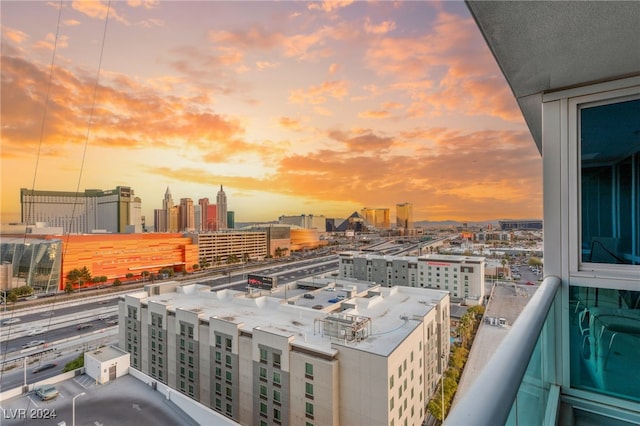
(187,215)
(167,204)
(404,216)
(221,203)
(204,211)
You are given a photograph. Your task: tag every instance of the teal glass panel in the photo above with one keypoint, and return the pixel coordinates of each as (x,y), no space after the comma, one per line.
(605,341)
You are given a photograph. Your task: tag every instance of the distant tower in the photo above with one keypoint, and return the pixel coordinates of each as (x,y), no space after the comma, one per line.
(204,211)
(167,204)
(221,203)
(404,216)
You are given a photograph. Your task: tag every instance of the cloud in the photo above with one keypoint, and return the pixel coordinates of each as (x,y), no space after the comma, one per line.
(49,43)
(382,28)
(98,10)
(263,65)
(290,123)
(14,35)
(316,95)
(374,114)
(333,68)
(330,5)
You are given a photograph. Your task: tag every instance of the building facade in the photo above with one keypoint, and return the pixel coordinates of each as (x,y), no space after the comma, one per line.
(511,225)
(462,276)
(187,215)
(267,360)
(378,218)
(32,261)
(116,210)
(308,221)
(404,216)
(217,247)
(221,210)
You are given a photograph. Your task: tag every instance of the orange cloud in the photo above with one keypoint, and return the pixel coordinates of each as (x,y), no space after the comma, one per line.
(374,114)
(318,94)
(330,5)
(15,36)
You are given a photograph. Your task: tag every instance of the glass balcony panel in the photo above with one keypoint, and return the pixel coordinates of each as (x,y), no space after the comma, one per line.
(605,341)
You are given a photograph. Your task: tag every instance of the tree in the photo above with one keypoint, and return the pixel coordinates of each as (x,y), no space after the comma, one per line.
(144,274)
(12,297)
(117,282)
(129,276)
(68,288)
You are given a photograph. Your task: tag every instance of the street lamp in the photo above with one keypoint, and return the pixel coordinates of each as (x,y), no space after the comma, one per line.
(442,384)
(73,408)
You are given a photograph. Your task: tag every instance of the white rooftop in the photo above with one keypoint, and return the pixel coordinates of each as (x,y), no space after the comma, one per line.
(392,311)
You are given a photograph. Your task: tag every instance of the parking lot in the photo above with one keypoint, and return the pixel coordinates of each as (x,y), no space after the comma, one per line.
(125,401)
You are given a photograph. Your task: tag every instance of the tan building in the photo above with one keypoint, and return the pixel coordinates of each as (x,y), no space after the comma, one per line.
(370,356)
(404,216)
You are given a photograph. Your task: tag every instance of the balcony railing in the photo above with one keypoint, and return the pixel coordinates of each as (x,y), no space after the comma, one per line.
(517,385)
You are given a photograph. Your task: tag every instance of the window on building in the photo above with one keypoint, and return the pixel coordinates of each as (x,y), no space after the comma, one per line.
(218,388)
(263,391)
(277,395)
(218,356)
(228,344)
(308,370)
(263,408)
(391,382)
(263,355)
(228,376)
(229,392)
(308,390)
(276,360)
(218,372)
(610,182)
(308,409)
(276,377)
(228,360)
(276,414)
(218,341)
(263,373)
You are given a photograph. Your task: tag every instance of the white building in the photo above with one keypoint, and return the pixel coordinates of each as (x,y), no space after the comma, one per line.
(280,357)
(462,276)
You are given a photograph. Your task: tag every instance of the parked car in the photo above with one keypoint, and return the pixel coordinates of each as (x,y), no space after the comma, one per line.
(33,344)
(334,300)
(308,296)
(10,321)
(35,331)
(44,367)
(85,325)
(530,283)
(112,322)
(46,392)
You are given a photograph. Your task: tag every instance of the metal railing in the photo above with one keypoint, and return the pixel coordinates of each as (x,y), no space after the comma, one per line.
(491,397)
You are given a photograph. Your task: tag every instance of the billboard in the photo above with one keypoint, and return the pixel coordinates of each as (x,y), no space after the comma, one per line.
(261,281)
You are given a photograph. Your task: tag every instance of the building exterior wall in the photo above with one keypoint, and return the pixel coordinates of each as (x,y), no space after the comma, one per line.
(404,216)
(216,247)
(257,376)
(378,217)
(463,276)
(116,255)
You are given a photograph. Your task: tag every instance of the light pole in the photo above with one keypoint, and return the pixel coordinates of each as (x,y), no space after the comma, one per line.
(442,384)
(73,408)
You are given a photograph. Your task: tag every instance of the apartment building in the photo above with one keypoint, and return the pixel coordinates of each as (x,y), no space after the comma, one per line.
(374,357)
(462,276)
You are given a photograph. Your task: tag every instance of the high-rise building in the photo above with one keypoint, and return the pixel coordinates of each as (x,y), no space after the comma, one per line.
(204,212)
(174,219)
(572,356)
(231,219)
(160,220)
(114,210)
(162,225)
(212,218)
(404,216)
(377,217)
(186,215)
(372,356)
(221,203)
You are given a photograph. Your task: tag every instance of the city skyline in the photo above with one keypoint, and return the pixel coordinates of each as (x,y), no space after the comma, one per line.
(295,108)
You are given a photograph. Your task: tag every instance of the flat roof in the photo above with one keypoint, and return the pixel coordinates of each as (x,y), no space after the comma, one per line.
(392,312)
(107,353)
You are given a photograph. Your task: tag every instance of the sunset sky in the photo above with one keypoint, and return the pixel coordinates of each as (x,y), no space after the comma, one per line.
(294,107)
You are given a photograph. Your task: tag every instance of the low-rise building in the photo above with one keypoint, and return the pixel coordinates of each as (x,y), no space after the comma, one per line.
(462,276)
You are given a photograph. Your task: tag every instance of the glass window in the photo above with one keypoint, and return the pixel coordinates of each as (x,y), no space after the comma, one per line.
(276,377)
(263,355)
(308,408)
(263,373)
(263,390)
(610,182)
(276,414)
(308,389)
(276,395)
(276,360)
(263,408)
(308,369)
